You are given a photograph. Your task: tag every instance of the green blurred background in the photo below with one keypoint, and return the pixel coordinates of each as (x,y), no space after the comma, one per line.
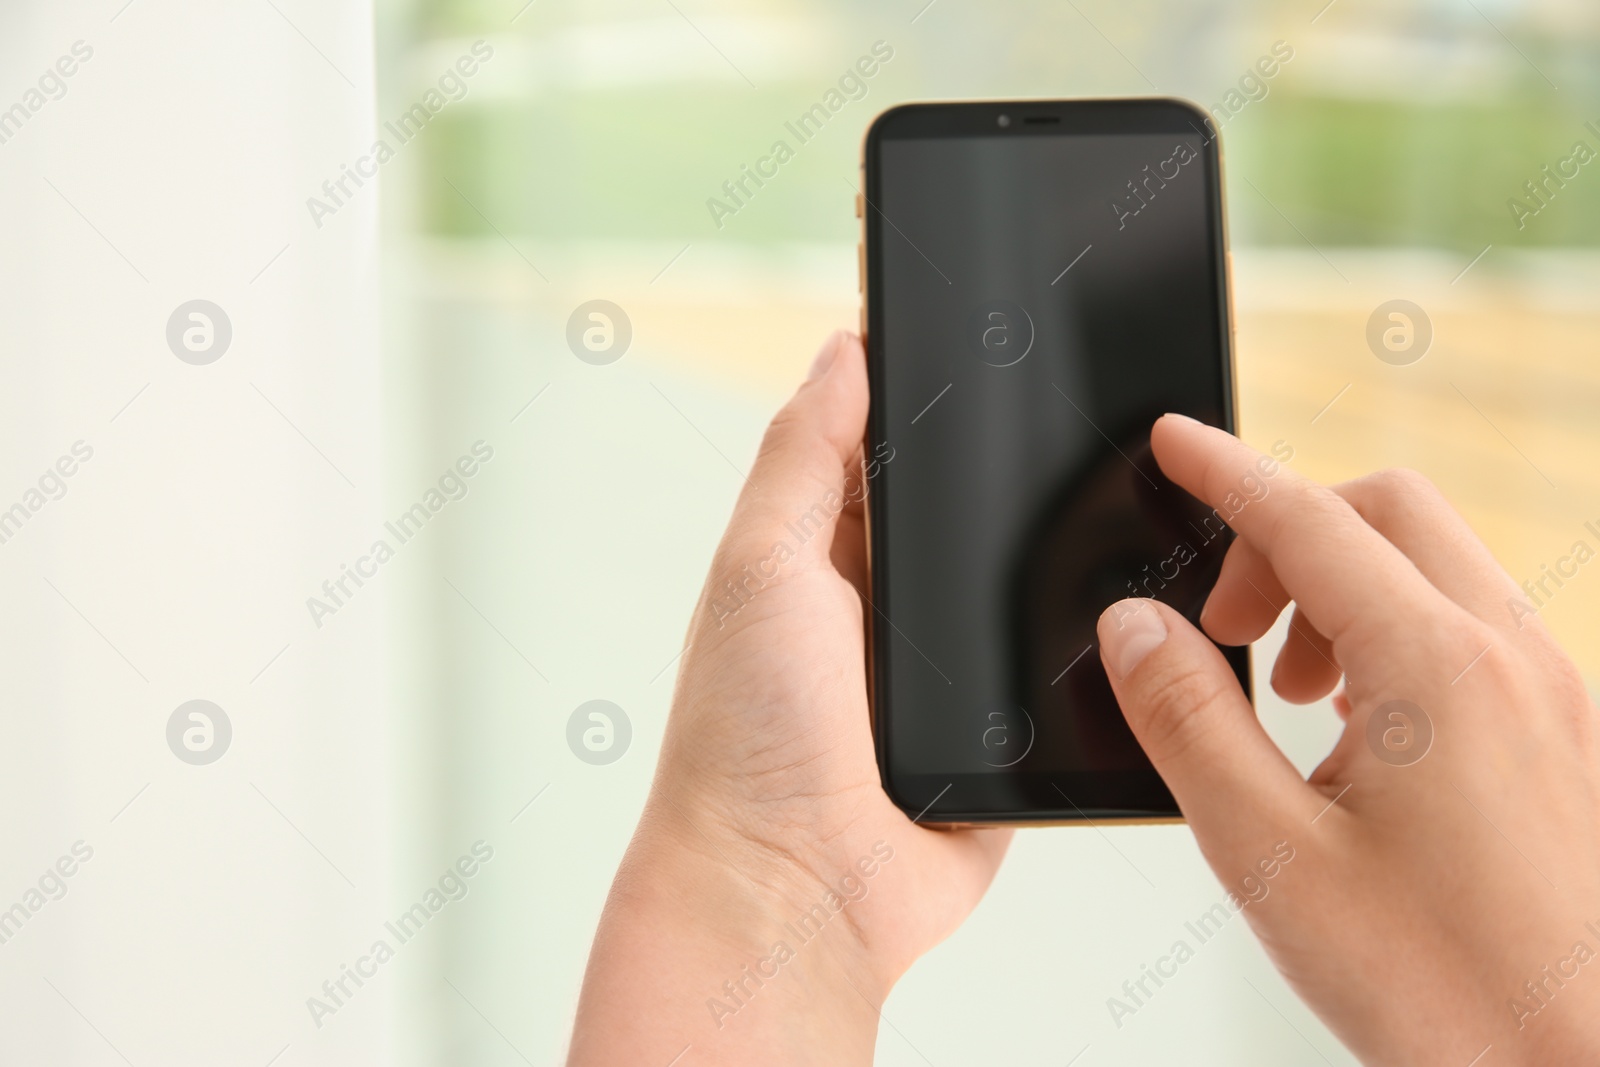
(1404,124)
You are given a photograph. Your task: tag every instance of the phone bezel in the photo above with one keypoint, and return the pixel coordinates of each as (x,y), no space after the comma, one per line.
(1030,799)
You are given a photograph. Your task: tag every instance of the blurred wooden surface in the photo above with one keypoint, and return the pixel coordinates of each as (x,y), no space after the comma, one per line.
(1503,413)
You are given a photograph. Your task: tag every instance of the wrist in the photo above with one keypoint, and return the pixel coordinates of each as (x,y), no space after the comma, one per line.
(713,942)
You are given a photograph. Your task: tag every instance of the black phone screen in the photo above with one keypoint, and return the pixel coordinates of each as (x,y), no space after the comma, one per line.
(1041,289)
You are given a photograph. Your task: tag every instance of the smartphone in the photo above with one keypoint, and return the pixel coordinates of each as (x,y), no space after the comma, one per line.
(1042,280)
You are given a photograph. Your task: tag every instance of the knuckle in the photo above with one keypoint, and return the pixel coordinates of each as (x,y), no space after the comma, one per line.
(1180,708)
(1404,481)
(1571,691)
(1401,491)
(793,441)
(1394,500)
(781,432)
(1464,646)
(1477,634)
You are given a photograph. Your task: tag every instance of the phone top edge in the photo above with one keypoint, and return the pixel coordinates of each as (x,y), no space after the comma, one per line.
(960,118)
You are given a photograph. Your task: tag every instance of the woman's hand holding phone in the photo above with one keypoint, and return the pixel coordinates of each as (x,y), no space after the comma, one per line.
(1426,899)
(773,893)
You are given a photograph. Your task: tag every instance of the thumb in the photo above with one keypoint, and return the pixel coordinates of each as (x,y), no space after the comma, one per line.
(1184,704)
(804,475)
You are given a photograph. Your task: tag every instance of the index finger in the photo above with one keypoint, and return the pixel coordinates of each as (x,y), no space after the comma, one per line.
(1352,583)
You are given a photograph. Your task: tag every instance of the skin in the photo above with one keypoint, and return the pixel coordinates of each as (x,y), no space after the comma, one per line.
(1421,897)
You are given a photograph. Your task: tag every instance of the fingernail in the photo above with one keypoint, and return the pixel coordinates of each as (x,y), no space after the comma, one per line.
(1185,418)
(1129,631)
(825,354)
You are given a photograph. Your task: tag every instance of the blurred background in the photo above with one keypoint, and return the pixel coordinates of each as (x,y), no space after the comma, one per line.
(387,332)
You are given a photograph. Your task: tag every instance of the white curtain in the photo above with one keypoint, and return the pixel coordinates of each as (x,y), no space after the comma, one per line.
(154,153)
